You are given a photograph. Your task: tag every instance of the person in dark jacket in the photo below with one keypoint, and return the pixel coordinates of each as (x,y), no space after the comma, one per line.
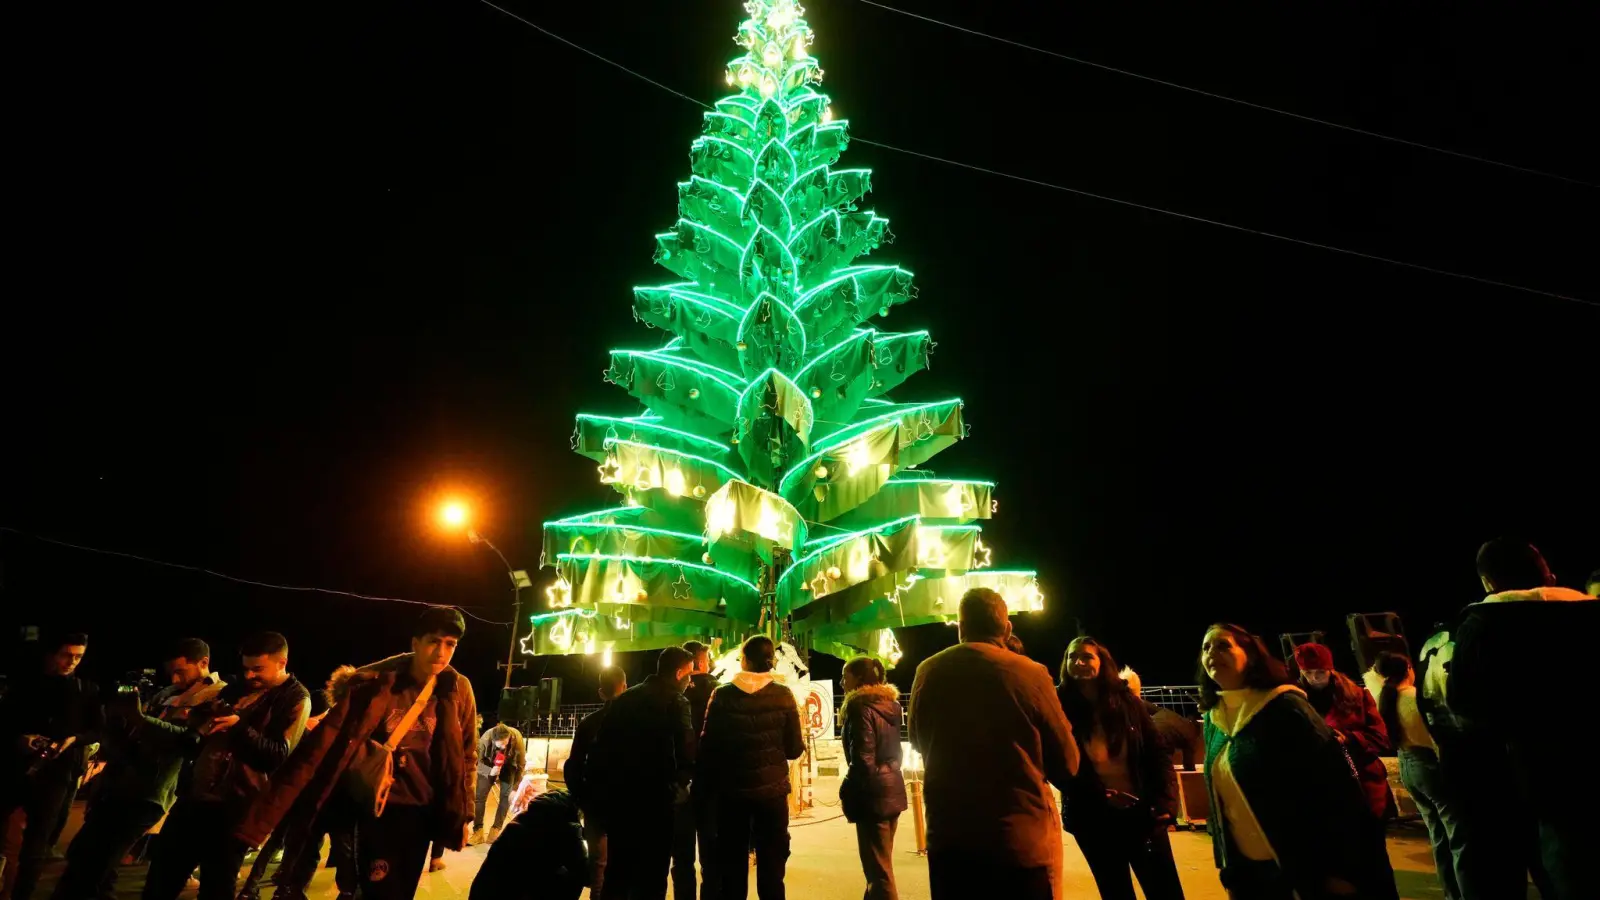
(1352,713)
(1118,806)
(1503,720)
(873,793)
(639,770)
(500,759)
(47,723)
(752,731)
(247,736)
(1288,816)
(435,762)
(538,857)
(613,681)
(696,822)
(146,753)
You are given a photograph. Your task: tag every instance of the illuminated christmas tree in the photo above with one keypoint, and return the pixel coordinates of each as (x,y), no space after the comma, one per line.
(771,484)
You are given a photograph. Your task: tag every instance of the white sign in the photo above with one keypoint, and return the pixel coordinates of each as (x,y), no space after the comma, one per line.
(816,710)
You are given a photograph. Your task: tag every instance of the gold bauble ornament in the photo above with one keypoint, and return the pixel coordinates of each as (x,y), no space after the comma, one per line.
(699,492)
(642,597)
(834,573)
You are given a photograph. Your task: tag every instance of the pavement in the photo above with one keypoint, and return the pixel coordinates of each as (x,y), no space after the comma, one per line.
(823,864)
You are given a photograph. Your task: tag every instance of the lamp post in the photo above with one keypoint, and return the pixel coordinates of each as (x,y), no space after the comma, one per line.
(455,515)
(519,580)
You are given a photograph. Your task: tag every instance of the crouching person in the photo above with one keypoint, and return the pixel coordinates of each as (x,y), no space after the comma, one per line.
(539,856)
(421,711)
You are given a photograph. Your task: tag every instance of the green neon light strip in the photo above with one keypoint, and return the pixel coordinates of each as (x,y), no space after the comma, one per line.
(694,366)
(831,542)
(951,527)
(582,517)
(637,423)
(723,115)
(648,560)
(579,611)
(712,139)
(879,401)
(711,231)
(798,233)
(854,338)
(700,300)
(985,573)
(659,449)
(832,441)
(732,309)
(842,274)
(778,142)
(618,526)
(939,481)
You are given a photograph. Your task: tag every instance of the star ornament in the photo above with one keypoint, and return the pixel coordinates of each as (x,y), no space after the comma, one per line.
(982,556)
(682,590)
(559,593)
(609,470)
(819,585)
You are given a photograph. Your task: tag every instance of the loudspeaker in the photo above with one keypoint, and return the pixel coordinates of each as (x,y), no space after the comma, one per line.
(1375,633)
(519,704)
(549,699)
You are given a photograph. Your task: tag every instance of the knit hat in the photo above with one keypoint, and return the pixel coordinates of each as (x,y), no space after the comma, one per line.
(1313,656)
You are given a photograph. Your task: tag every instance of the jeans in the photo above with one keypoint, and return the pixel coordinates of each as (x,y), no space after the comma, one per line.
(109,831)
(302,852)
(507,791)
(391,851)
(1419,772)
(639,850)
(875,843)
(953,875)
(197,833)
(1120,844)
(258,869)
(43,800)
(759,824)
(594,837)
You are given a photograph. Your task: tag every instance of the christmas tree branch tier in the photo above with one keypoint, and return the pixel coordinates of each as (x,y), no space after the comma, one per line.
(771,483)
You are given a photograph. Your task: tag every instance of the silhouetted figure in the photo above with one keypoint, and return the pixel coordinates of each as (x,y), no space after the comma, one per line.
(873,793)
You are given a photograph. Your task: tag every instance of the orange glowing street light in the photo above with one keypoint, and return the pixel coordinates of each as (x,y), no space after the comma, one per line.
(453,514)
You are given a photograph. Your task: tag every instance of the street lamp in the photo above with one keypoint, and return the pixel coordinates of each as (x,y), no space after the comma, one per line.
(454,514)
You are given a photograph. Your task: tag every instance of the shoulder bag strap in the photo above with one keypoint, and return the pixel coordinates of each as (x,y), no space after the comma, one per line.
(411,716)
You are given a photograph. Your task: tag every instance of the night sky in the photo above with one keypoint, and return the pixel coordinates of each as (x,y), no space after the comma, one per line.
(282,280)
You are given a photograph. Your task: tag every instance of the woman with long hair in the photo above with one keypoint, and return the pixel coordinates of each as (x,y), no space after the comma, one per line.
(1288,816)
(1351,712)
(1117,807)
(1419,762)
(873,793)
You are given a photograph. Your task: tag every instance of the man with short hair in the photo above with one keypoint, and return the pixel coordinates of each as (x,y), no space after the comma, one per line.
(613,681)
(435,761)
(696,821)
(993,738)
(146,752)
(752,732)
(500,760)
(639,769)
(1526,616)
(47,722)
(246,734)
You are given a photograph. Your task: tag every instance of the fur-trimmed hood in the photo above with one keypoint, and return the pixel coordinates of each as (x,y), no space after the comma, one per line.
(872,693)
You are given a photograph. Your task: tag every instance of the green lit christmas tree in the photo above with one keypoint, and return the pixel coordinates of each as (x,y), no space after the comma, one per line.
(771,484)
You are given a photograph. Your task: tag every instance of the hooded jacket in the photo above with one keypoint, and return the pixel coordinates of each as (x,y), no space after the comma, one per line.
(643,754)
(752,731)
(873,789)
(1296,784)
(313,771)
(516,750)
(236,766)
(1366,740)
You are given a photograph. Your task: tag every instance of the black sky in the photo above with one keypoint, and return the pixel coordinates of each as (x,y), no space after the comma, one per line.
(283,275)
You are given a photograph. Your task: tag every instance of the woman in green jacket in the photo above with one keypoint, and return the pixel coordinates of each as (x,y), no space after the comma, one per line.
(1288,816)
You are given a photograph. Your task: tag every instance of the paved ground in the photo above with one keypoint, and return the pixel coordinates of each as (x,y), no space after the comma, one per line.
(823,864)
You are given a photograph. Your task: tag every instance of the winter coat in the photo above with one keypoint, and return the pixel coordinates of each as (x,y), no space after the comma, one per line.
(236,766)
(699,696)
(315,769)
(752,731)
(979,708)
(57,707)
(1297,785)
(643,755)
(1366,739)
(873,789)
(575,771)
(539,856)
(516,753)
(1150,770)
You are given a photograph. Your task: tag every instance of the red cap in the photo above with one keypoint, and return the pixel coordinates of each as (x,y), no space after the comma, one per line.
(1313,656)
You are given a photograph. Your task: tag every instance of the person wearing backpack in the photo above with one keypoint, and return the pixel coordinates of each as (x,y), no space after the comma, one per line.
(403,749)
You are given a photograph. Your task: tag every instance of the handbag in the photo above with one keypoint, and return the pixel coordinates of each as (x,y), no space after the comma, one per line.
(370,774)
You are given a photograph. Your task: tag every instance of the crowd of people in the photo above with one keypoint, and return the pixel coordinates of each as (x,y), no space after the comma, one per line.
(684,783)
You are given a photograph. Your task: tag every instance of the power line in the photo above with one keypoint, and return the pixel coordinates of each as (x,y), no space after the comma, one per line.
(226,577)
(1224,97)
(1103,197)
